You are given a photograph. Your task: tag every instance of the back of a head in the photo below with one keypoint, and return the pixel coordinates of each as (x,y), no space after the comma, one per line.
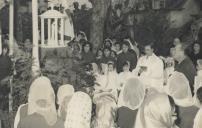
(179,89)
(79,111)
(64,91)
(133,93)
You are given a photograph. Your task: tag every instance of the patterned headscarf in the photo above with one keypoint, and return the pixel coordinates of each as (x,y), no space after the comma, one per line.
(79,111)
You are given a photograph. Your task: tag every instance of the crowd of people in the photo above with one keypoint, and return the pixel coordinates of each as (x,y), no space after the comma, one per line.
(133,89)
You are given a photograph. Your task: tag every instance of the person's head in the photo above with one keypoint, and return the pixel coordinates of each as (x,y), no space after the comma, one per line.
(83,7)
(108,43)
(27,41)
(107,52)
(64,95)
(117,46)
(196,47)
(149,49)
(182,94)
(199,95)
(179,52)
(99,53)
(125,46)
(81,35)
(176,41)
(126,66)
(113,54)
(76,47)
(133,93)
(87,47)
(40,102)
(110,66)
(199,64)
(5,50)
(76,5)
(79,111)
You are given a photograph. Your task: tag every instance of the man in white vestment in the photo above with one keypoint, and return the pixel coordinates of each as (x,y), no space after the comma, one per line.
(150,69)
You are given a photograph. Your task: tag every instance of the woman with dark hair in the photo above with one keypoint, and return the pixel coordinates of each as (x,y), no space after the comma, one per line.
(196,53)
(87,55)
(107,56)
(99,57)
(107,43)
(126,55)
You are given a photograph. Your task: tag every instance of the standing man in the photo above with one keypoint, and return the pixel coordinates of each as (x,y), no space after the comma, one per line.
(150,68)
(184,64)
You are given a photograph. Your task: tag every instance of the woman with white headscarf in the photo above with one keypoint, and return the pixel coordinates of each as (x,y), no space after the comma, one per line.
(41,106)
(130,99)
(64,95)
(156,112)
(79,111)
(178,88)
(107,82)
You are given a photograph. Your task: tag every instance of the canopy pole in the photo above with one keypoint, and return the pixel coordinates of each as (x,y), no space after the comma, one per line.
(35,50)
(11,26)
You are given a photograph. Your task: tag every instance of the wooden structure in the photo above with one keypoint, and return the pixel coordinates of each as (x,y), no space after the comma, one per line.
(55,24)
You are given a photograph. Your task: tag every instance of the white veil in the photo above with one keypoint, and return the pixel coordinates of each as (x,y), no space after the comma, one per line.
(179,89)
(155,112)
(132,95)
(79,111)
(63,92)
(41,89)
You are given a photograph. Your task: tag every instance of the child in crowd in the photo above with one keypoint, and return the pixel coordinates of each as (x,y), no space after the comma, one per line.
(117,48)
(123,76)
(107,55)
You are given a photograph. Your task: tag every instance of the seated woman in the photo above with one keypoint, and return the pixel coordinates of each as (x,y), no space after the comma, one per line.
(41,106)
(131,97)
(99,57)
(157,111)
(79,111)
(196,53)
(179,89)
(198,117)
(87,55)
(108,82)
(64,95)
(107,56)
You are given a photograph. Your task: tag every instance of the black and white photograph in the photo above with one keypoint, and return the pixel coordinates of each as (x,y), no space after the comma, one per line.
(100,63)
